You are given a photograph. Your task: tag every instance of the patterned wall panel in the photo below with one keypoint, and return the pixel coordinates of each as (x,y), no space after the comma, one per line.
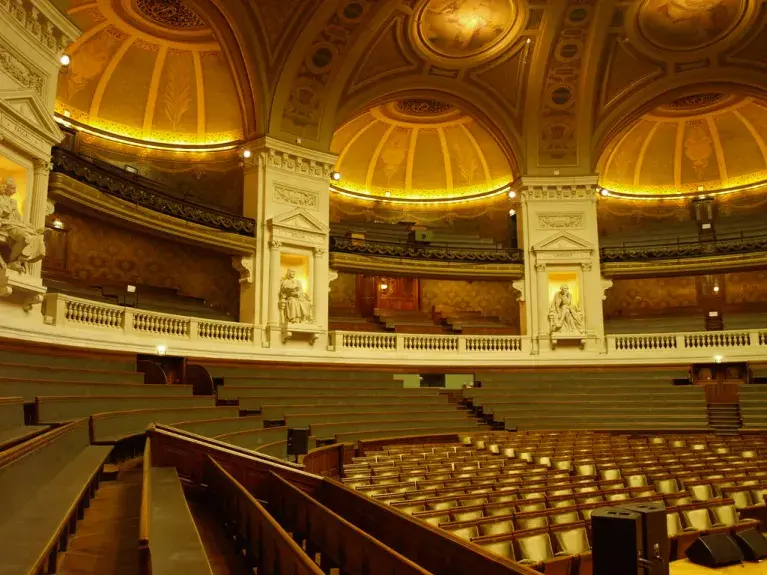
(492,298)
(651,297)
(100,253)
(343,291)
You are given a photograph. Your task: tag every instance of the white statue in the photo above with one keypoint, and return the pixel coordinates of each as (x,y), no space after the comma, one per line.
(25,244)
(295,305)
(564,317)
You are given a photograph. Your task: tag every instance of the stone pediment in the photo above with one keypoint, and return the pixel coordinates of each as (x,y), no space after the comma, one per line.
(24,115)
(563,242)
(299,226)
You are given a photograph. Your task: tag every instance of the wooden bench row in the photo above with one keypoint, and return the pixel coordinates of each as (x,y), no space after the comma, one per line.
(53,372)
(46,484)
(30,388)
(226,392)
(277,404)
(12,428)
(168,538)
(309,381)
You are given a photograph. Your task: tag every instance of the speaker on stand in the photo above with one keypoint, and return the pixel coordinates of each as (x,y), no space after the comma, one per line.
(715,551)
(298,441)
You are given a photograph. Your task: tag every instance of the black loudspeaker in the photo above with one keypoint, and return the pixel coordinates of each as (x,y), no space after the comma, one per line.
(655,544)
(715,551)
(298,440)
(616,540)
(752,544)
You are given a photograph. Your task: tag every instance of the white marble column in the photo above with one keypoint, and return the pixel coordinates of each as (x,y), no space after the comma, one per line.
(38,206)
(274,282)
(320,287)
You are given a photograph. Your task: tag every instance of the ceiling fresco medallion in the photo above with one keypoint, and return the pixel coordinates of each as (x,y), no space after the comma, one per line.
(686,25)
(169,13)
(466,29)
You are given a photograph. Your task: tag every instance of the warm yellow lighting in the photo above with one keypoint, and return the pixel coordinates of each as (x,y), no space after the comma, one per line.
(718,359)
(67,114)
(173,147)
(247,154)
(65,60)
(418,201)
(512,212)
(162,350)
(604,193)
(716,289)
(702,197)
(384,286)
(130,289)
(512,194)
(701,188)
(58,224)
(335,176)
(387,194)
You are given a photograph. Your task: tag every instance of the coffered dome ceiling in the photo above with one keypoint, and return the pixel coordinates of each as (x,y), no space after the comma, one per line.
(705,142)
(149,70)
(419,149)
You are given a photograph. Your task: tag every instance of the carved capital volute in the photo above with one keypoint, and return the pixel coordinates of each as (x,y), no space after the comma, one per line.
(275,245)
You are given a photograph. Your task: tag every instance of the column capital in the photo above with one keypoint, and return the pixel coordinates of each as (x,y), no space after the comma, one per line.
(275,245)
(42,165)
(319,252)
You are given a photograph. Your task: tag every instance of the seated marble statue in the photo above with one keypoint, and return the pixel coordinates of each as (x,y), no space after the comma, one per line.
(564,317)
(24,243)
(295,305)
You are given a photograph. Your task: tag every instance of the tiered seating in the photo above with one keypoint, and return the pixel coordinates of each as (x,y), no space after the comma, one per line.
(753,405)
(345,409)
(474,323)
(47,483)
(12,428)
(529,496)
(403,321)
(609,399)
(347,318)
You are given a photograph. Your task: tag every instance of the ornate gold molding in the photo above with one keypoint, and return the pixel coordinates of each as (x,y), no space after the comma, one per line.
(424,268)
(702,264)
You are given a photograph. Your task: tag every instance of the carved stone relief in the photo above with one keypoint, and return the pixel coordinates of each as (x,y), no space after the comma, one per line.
(560,221)
(295,197)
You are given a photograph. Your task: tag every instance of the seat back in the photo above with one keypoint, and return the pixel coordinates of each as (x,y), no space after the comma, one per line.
(535,547)
(504,549)
(573,541)
(698,518)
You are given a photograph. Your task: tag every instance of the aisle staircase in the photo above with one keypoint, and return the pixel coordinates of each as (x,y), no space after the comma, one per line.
(725,418)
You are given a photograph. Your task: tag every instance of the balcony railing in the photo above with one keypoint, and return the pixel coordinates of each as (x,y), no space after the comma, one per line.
(77,321)
(146,193)
(686,248)
(425,251)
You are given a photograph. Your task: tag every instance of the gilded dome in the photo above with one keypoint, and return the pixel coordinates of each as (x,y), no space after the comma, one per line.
(419,149)
(149,70)
(704,142)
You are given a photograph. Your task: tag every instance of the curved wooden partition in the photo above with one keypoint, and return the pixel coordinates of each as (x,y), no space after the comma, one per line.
(329,460)
(366,445)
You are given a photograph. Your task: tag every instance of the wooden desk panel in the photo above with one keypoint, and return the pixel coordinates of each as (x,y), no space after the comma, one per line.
(686,568)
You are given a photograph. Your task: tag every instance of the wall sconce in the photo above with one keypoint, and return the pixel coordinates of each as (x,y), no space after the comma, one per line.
(162,350)
(58,224)
(512,194)
(716,289)
(247,154)
(384,286)
(718,359)
(130,289)
(512,212)
(335,176)
(65,60)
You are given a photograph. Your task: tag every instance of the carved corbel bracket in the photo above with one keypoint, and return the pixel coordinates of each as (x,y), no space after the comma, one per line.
(244,265)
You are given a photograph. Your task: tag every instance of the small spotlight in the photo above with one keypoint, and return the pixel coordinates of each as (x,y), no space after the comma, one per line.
(67,114)
(130,289)
(556,172)
(162,350)
(58,224)
(388,194)
(716,289)
(384,287)
(702,197)
(335,176)
(512,212)
(65,59)
(512,194)
(718,359)
(701,188)
(247,154)
(528,41)
(604,193)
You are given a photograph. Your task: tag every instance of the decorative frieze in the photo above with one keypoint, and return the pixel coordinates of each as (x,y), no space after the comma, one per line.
(21,72)
(560,221)
(45,28)
(296,197)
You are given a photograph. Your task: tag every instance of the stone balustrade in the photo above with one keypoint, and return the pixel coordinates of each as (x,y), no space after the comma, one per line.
(77,321)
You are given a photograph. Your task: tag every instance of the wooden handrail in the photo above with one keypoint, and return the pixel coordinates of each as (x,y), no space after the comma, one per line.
(349,547)
(144,549)
(429,546)
(329,460)
(10,455)
(268,537)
